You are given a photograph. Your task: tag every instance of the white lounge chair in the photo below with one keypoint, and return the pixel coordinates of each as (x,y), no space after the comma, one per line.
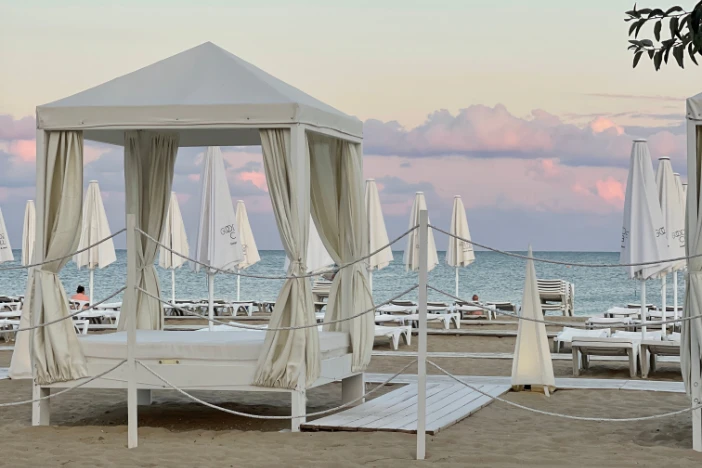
(609,322)
(81,326)
(568,334)
(446,319)
(651,349)
(438,307)
(620,312)
(394,334)
(583,348)
(556,295)
(397,309)
(471,312)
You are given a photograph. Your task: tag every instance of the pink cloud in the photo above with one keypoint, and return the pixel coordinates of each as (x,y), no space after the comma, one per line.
(17,129)
(611,190)
(24,149)
(256,178)
(602,124)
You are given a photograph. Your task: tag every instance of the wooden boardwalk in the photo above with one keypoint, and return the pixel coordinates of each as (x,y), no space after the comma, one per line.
(447,403)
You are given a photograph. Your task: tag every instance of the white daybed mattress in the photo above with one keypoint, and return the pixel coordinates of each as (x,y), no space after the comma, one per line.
(219,346)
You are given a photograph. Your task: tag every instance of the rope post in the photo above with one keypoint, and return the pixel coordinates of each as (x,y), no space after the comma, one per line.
(422,354)
(132,416)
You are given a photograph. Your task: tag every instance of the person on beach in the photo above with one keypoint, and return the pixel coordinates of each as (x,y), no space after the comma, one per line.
(80,294)
(475,300)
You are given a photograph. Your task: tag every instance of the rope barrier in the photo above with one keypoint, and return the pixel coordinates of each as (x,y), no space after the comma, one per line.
(299,327)
(51,395)
(257,416)
(77,312)
(22,267)
(552,322)
(560,415)
(282,277)
(557,262)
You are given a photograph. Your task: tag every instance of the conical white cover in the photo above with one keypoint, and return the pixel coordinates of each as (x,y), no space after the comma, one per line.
(643,233)
(459,253)
(681,191)
(377,233)
(29,231)
(318,259)
(217,236)
(532,363)
(673,213)
(95,228)
(411,255)
(5,248)
(248,244)
(174,237)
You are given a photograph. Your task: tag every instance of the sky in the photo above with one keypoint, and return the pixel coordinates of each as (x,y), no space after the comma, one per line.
(525,109)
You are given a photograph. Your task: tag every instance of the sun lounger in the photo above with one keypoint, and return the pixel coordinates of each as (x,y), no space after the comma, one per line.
(265,306)
(583,348)
(437,307)
(397,309)
(11,314)
(81,326)
(7,329)
(502,305)
(385,318)
(446,319)
(618,312)
(469,311)
(607,322)
(556,295)
(638,306)
(568,334)
(394,334)
(651,349)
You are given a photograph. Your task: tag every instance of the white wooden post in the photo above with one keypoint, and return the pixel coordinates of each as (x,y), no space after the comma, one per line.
(422,355)
(664,305)
(132,397)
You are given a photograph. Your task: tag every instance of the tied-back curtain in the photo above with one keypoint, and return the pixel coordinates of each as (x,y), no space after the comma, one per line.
(339,212)
(57,353)
(149,160)
(287,353)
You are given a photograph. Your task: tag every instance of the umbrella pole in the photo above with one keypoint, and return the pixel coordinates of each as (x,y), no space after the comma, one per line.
(370,280)
(643,308)
(456,282)
(664,294)
(91,287)
(210,300)
(675,298)
(238,287)
(422,348)
(173,286)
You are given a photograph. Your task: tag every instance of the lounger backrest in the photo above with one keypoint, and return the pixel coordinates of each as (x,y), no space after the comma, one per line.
(569,333)
(656,336)
(587,339)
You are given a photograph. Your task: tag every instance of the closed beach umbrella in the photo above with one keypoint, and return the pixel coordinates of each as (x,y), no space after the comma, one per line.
(174,237)
(411,255)
(95,228)
(28,232)
(377,234)
(643,233)
(532,363)
(5,248)
(217,235)
(318,259)
(459,253)
(669,194)
(248,243)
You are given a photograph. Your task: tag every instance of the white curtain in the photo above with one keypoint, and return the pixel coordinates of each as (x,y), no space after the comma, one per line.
(289,352)
(149,159)
(339,212)
(57,354)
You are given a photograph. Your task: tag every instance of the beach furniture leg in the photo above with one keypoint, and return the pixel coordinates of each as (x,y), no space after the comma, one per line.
(576,361)
(41,410)
(632,363)
(298,408)
(143,397)
(586,361)
(353,388)
(653,363)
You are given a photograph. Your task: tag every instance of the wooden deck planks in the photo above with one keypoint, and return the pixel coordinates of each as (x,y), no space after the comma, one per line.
(447,403)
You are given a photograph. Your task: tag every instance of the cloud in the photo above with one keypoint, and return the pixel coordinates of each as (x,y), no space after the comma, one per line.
(611,191)
(17,129)
(637,97)
(492,132)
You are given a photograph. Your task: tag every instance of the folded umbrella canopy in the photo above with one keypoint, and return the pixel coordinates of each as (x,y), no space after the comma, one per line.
(318,259)
(644,236)
(248,243)
(674,219)
(28,232)
(218,242)
(411,255)
(94,229)
(5,248)
(459,253)
(377,233)
(174,237)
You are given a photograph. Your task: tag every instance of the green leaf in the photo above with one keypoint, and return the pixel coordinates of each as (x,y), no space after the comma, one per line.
(691,51)
(657,30)
(675,9)
(679,54)
(674,27)
(637,57)
(657,59)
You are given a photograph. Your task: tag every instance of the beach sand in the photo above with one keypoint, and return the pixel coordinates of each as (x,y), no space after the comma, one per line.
(89,427)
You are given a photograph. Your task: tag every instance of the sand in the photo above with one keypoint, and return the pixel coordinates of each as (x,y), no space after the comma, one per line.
(89,427)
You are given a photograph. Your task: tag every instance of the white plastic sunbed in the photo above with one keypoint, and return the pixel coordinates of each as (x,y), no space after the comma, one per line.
(619,312)
(609,322)
(468,311)
(397,309)
(568,334)
(651,349)
(446,319)
(394,334)
(583,348)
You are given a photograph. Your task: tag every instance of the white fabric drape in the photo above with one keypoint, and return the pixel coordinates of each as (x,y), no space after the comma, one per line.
(339,212)
(28,232)
(149,159)
(57,354)
(289,352)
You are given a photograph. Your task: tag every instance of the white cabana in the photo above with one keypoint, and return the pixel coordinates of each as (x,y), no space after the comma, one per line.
(674,218)
(5,247)
(377,233)
(175,238)
(459,253)
(532,365)
(218,244)
(643,233)
(248,243)
(203,96)
(28,232)
(95,228)
(411,255)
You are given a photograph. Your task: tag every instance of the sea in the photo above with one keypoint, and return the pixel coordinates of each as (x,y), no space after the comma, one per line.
(493,277)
